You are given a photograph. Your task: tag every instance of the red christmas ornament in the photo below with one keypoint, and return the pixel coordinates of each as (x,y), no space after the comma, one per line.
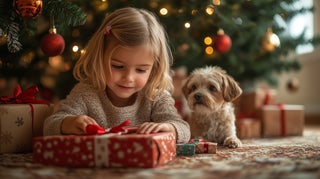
(222,42)
(52,44)
(28,8)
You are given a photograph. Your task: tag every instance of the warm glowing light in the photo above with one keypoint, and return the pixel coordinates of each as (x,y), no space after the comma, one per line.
(207,40)
(209,50)
(274,39)
(210,10)
(187,25)
(56,61)
(216,2)
(163,11)
(75,48)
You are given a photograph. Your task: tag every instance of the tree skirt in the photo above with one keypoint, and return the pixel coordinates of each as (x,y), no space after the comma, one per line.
(287,157)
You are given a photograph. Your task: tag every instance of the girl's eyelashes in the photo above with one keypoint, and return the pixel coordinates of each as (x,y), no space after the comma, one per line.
(117,66)
(141,70)
(138,70)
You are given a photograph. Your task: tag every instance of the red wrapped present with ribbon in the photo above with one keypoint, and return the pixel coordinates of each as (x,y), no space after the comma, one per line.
(21,119)
(119,149)
(282,120)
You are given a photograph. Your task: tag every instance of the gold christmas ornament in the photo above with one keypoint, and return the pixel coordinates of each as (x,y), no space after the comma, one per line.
(3,40)
(269,41)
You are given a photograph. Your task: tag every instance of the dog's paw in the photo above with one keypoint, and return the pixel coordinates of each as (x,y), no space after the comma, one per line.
(232,142)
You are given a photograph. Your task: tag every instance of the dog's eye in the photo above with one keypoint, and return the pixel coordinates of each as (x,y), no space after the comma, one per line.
(193,87)
(212,88)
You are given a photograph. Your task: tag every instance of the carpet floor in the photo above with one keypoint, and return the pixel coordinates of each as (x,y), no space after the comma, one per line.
(286,157)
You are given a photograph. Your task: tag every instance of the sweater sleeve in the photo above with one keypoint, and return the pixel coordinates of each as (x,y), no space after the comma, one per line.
(163,110)
(72,105)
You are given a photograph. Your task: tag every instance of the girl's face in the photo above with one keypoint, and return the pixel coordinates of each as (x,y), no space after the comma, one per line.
(130,71)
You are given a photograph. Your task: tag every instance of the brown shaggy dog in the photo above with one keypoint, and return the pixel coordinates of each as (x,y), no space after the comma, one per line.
(209,92)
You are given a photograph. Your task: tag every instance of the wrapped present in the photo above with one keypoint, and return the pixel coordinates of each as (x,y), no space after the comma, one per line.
(251,101)
(108,150)
(282,120)
(248,128)
(187,149)
(206,148)
(19,123)
(196,146)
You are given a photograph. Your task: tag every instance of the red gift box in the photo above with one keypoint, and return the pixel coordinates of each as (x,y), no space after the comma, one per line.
(109,150)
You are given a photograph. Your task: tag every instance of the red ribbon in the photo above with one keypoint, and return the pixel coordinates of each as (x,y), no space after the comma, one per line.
(32,118)
(93,129)
(22,97)
(243,116)
(206,147)
(266,98)
(282,119)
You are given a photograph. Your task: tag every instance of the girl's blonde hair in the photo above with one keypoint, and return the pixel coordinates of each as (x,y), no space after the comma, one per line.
(129,27)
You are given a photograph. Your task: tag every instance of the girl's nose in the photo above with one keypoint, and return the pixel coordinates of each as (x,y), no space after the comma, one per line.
(128,75)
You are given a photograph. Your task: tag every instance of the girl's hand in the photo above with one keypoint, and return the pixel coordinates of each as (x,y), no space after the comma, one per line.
(76,124)
(151,127)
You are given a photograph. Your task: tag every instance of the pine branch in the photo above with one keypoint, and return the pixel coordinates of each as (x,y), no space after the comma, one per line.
(13,36)
(65,13)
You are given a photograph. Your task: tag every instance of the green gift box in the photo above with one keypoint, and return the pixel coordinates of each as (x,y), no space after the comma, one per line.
(187,149)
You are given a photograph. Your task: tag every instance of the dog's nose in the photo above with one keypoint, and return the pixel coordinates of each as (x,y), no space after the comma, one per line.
(198,96)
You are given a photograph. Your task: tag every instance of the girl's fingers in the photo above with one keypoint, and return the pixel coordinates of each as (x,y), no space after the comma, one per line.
(76,124)
(149,127)
(142,128)
(90,120)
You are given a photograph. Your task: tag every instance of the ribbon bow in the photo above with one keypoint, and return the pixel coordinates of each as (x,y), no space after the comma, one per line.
(22,97)
(93,129)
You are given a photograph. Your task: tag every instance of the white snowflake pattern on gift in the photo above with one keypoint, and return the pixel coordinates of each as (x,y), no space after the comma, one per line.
(121,154)
(137,147)
(6,137)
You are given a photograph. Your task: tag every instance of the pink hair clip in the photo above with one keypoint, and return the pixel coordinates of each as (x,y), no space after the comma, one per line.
(108,30)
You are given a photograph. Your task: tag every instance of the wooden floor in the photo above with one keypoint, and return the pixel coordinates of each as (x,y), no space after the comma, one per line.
(312,119)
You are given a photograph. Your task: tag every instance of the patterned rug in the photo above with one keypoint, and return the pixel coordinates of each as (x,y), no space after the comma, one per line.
(287,157)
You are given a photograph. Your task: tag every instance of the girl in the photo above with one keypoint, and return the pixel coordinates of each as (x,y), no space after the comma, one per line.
(123,74)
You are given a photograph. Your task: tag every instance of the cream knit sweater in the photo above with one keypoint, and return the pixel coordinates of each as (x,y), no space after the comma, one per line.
(84,99)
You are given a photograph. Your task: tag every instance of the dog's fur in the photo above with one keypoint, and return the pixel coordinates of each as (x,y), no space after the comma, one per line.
(209,92)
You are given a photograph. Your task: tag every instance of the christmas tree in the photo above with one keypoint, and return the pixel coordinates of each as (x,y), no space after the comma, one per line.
(246,38)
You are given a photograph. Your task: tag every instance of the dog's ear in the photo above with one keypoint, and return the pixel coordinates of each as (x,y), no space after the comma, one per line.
(185,89)
(230,88)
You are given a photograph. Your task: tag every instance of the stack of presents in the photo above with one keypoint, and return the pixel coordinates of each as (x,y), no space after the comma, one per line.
(260,114)
(22,117)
